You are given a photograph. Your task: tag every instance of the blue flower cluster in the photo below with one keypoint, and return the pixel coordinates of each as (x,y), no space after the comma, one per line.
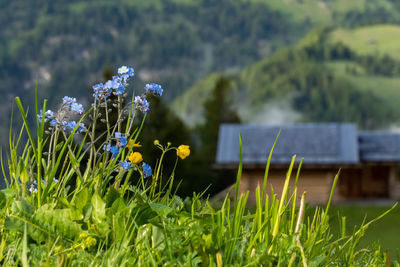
(68,100)
(126,72)
(68,104)
(141,104)
(154,89)
(100,91)
(126,165)
(121,142)
(48,115)
(118,84)
(71,103)
(147,171)
(115,86)
(33,187)
(70,125)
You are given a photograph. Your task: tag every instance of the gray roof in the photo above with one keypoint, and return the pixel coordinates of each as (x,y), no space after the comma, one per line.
(322,143)
(379,146)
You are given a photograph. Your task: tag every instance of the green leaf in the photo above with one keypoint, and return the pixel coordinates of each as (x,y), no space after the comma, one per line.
(99,215)
(24,257)
(118,206)
(57,222)
(3,200)
(99,208)
(75,214)
(315,262)
(81,199)
(23,174)
(157,237)
(143,213)
(45,223)
(65,202)
(22,208)
(59,146)
(160,209)
(8,192)
(118,227)
(87,212)
(111,196)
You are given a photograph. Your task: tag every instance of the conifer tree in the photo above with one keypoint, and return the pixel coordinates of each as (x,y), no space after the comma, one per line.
(218,109)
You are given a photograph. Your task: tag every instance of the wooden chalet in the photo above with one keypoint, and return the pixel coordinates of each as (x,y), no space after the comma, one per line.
(368,160)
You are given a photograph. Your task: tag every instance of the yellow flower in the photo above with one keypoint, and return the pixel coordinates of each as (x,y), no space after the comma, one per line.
(58,249)
(183,151)
(132,144)
(90,242)
(83,235)
(135,158)
(156,142)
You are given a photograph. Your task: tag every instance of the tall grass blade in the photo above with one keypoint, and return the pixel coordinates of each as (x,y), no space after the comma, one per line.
(239,172)
(25,121)
(264,188)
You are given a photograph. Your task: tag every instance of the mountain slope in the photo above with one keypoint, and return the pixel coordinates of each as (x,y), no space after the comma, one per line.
(323,80)
(63,46)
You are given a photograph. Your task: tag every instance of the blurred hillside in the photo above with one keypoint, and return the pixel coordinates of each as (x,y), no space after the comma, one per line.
(328,76)
(63,46)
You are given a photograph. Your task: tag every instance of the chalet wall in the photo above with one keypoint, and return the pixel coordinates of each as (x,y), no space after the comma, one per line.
(368,182)
(317,184)
(394,184)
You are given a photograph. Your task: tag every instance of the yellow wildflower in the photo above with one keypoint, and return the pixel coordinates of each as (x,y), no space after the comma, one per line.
(58,249)
(183,151)
(83,235)
(90,242)
(135,158)
(156,142)
(132,144)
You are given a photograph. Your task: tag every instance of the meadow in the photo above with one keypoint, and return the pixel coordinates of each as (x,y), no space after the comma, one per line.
(80,196)
(385,231)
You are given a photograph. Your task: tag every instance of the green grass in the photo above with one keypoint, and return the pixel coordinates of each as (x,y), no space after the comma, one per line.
(386,230)
(321,12)
(108,219)
(386,88)
(376,39)
(79,7)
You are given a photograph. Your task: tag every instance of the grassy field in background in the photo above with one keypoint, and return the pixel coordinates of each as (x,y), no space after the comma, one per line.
(386,88)
(322,12)
(375,39)
(386,230)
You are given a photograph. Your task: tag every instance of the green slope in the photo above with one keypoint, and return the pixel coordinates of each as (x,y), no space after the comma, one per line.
(326,12)
(370,40)
(65,45)
(386,88)
(324,81)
